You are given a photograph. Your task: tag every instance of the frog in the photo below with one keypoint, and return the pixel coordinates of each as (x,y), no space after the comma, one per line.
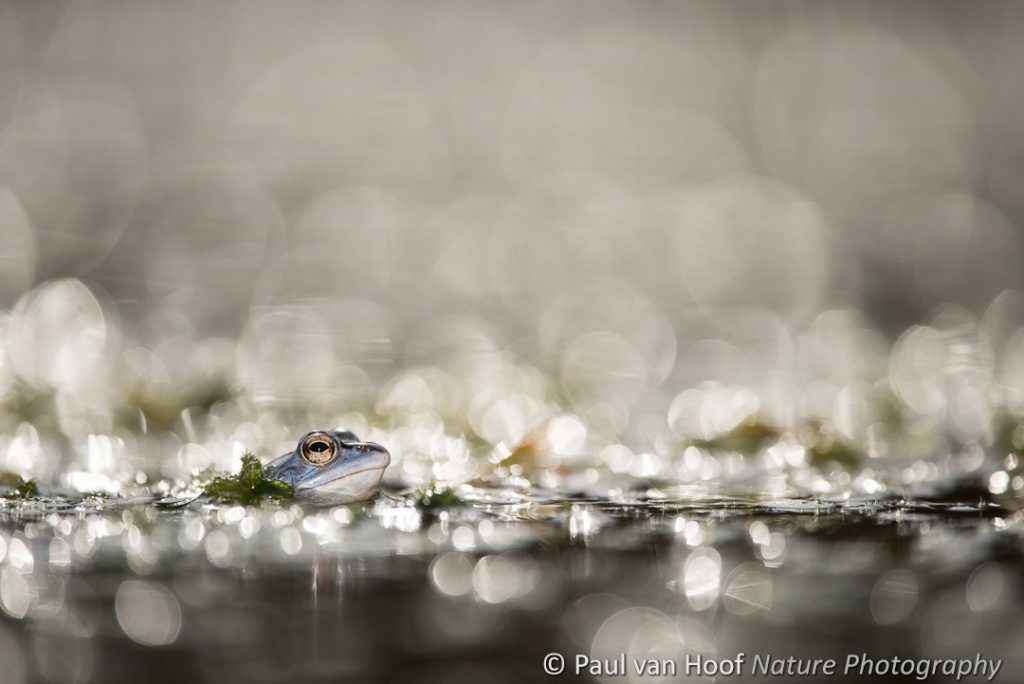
(332,467)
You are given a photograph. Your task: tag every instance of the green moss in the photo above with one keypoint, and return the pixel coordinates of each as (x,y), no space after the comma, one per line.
(162,407)
(745,438)
(24,403)
(250,486)
(824,445)
(828,448)
(432,499)
(752,435)
(18,487)
(1009,434)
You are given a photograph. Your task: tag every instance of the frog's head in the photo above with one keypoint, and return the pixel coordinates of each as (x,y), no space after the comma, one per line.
(332,466)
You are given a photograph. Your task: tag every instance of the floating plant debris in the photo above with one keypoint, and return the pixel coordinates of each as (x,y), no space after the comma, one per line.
(250,486)
(434,498)
(14,485)
(746,437)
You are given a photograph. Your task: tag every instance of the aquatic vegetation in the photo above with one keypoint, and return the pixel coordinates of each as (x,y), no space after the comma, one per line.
(747,437)
(434,498)
(16,486)
(828,447)
(250,486)
(752,435)
(161,407)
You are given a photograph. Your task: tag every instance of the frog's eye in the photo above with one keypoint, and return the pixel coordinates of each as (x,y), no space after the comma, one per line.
(318,449)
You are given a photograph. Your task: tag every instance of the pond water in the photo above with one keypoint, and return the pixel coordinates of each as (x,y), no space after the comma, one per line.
(780,503)
(113,590)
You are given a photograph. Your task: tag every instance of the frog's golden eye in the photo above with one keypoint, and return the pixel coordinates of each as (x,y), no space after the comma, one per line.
(318,449)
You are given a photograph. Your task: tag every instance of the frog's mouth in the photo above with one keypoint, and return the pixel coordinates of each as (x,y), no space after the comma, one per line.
(326,480)
(354,486)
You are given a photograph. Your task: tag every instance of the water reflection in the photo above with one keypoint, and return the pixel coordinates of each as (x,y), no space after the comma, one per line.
(650,578)
(147,612)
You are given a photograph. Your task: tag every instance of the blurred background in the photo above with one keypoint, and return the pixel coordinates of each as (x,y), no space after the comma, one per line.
(712,310)
(491,161)
(502,213)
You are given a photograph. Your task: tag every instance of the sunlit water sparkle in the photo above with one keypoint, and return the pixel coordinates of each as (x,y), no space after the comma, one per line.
(703,572)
